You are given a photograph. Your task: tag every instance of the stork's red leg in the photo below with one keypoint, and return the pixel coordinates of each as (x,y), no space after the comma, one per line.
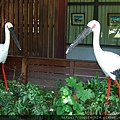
(108,93)
(4,75)
(116,82)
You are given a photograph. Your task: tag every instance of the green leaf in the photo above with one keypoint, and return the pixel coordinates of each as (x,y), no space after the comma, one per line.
(65,91)
(65,100)
(11,113)
(59,111)
(85,94)
(79,86)
(71,101)
(68,109)
(24,99)
(71,81)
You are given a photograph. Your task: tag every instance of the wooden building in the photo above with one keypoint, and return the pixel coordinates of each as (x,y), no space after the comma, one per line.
(45,28)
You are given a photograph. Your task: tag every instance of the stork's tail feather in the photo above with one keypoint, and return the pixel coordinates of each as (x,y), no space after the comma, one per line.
(116,72)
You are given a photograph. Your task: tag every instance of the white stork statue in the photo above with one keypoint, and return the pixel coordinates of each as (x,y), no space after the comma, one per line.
(108,61)
(5,47)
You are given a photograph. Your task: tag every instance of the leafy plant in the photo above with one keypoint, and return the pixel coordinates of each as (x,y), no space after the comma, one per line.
(97,104)
(66,104)
(24,100)
(74,98)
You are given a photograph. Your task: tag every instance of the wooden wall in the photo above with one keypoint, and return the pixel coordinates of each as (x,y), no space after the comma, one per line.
(46,72)
(39,24)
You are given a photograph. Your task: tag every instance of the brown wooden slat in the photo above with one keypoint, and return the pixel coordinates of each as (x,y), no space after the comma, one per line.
(11,19)
(45,27)
(61,28)
(14,59)
(50,69)
(40,41)
(21,25)
(3,6)
(36,27)
(11,66)
(25,43)
(86,78)
(16,23)
(46,76)
(56,4)
(30,17)
(87,64)
(71,67)
(55,62)
(90,72)
(12,76)
(6,10)
(51,28)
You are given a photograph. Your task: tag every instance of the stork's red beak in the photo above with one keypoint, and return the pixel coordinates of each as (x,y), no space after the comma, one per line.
(14,37)
(80,37)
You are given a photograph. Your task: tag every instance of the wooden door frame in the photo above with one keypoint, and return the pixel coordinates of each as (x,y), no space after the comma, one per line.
(62,27)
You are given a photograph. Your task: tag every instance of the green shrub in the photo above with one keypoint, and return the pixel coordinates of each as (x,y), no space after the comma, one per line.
(74,98)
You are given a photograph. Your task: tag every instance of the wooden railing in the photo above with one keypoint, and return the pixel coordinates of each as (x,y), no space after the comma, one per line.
(47,71)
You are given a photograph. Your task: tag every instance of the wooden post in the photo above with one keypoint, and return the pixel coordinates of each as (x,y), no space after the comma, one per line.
(71,68)
(24,70)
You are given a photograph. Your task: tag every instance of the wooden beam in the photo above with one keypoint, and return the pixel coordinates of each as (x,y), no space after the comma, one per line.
(62,28)
(24,70)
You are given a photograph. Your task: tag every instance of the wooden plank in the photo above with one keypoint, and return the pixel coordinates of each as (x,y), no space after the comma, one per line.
(90,72)
(30,17)
(62,9)
(21,35)
(12,67)
(71,67)
(56,4)
(48,69)
(46,76)
(45,28)
(13,75)
(40,42)
(11,19)
(2,31)
(33,41)
(16,8)
(6,10)
(51,3)
(36,27)
(14,59)
(87,64)
(11,70)
(11,63)
(25,43)
(52,62)
(24,71)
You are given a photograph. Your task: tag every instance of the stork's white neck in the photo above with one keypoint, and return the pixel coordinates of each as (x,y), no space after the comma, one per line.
(96,43)
(7,38)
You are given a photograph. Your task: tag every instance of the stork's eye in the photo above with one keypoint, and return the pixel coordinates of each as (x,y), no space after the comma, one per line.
(94,26)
